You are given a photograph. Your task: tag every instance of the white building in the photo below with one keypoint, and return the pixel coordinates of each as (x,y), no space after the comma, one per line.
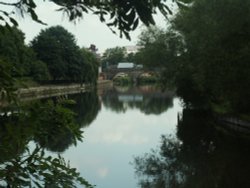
(132,49)
(125,65)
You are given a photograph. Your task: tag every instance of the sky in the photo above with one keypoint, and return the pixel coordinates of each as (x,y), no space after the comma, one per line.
(87,31)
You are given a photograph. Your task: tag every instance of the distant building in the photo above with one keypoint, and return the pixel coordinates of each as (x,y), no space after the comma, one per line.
(130,98)
(125,65)
(132,49)
(129,65)
(93,48)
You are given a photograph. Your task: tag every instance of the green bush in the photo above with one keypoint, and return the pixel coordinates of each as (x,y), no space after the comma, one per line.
(122,80)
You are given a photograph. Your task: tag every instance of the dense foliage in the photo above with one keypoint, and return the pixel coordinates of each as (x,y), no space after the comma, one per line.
(205,53)
(58,49)
(20,57)
(91,65)
(51,125)
(52,57)
(216,35)
(113,56)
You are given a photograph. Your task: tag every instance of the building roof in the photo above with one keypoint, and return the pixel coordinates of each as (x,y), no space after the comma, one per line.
(125,65)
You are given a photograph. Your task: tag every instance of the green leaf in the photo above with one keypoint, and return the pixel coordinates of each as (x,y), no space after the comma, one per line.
(32,4)
(13,21)
(135,24)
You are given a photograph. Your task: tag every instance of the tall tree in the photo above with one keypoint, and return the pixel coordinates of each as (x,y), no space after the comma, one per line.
(216,35)
(57,48)
(161,50)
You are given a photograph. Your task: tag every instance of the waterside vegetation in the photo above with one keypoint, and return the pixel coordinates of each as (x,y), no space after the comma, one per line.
(204,54)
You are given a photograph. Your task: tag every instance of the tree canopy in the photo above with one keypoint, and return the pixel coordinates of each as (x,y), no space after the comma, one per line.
(20,58)
(216,35)
(58,49)
(205,53)
(112,56)
(124,15)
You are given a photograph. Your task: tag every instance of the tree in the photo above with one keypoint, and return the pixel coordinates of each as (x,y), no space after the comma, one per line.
(39,71)
(124,15)
(92,63)
(17,62)
(57,48)
(204,53)
(161,50)
(112,56)
(7,83)
(14,51)
(216,35)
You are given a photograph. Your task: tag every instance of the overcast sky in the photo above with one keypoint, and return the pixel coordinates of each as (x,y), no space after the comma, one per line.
(87,31)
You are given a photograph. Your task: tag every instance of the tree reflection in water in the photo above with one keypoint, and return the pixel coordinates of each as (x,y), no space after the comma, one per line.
(200,157)
(148,99)
(53,126)
(87,106)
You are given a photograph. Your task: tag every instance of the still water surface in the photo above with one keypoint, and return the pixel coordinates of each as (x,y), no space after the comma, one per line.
(131,139)
(136,141)
(129,123)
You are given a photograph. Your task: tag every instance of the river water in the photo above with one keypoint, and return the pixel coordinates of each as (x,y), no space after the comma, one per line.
(129,123)
(132,137)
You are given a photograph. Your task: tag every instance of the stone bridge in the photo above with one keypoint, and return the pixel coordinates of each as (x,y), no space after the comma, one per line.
(133,73)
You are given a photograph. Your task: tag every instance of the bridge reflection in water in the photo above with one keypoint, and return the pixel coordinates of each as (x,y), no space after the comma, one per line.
(149,99)
(130,98)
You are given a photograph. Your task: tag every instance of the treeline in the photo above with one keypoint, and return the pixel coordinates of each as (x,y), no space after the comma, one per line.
(113,56)
(51,57)
(205,54)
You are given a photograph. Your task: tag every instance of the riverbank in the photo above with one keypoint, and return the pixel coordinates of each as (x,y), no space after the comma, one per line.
(57,90)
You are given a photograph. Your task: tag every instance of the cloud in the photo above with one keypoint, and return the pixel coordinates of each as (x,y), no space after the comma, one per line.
(102,172)
(132,128)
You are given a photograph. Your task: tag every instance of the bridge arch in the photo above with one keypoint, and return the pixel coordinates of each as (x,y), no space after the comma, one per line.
(133,73)
(120,74)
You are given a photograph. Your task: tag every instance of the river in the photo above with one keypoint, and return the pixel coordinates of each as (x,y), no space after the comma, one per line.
(129,122)
(131,137)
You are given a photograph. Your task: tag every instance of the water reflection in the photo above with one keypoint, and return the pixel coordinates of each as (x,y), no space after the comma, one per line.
(31,134)
(148,99)
(87,105)
(114,137)
(199,156)
(51,125)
